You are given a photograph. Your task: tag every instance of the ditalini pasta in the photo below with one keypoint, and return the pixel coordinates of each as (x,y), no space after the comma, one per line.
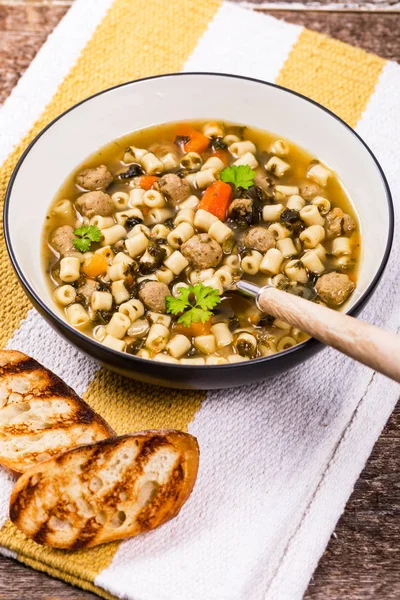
(142,245)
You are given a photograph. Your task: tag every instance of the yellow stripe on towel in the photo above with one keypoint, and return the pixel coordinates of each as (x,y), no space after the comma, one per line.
(340,77)
(135,39)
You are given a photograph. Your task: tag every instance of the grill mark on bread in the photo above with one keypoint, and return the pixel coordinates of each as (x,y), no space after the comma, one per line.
(24,365)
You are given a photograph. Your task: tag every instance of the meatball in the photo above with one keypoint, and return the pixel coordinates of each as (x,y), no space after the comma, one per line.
(153,294)
(258,238)
(202,251)
(173,187)
(62,239)
(310,190)
(338,223)
(334,288)
(348,223)
(241,209)
(95,203)
(86,290)
(98,178)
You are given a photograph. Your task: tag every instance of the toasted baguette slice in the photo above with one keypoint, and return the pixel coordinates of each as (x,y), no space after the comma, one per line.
(40,416)
(111,490)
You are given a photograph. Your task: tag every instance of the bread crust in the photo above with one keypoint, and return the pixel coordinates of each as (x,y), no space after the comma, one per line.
(111,490)
(40,416)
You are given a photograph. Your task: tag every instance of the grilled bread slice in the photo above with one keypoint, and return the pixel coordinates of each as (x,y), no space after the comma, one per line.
(110,490)
(40,416)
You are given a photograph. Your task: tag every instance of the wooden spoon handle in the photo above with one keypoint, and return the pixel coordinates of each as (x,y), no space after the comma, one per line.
(374,347)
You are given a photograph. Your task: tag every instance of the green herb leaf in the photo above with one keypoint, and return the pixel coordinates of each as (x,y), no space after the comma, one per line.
(194,303)
(239,175)
(85,236)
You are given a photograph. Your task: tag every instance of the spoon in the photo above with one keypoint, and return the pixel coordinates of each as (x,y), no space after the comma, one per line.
(370,345)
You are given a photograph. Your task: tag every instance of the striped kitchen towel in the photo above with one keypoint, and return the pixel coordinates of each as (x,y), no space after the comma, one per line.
(278,460)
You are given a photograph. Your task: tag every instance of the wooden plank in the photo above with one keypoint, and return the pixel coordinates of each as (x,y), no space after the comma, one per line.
(362,559)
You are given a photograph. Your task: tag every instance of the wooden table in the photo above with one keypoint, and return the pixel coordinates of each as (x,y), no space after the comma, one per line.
(362,560)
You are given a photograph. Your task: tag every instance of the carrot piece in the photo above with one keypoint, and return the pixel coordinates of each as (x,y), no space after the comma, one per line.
(216,199)
(146,182)
(96,265)
(194,329)
(197,141)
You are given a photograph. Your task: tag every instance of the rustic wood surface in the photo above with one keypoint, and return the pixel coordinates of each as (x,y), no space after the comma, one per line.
(362,560)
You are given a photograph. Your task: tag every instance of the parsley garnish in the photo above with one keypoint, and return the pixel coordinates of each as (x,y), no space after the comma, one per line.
(85,236)
(239,175)
(194,303)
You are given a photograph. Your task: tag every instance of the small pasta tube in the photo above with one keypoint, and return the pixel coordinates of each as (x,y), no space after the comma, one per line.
(251,262)
(323,204)
(181,234)
(236,358)
(64,209)
(312,262)
(112,235)
(164,275)
(159,215)
(247,159)
(106,252)
(295,202)
(220,232)
(231,139)
(216,360)
(151,277)
(123,258)
(143,353)
(139,328)
(134,309)
(204,178)
(312,236)
(213,129)
(277,166)
(155,317)
(70,269)
(64,295)
(169,161)
(101,222)
(215,283)
(133,154)
(193,361)
(151,164)
(157,338)
(285,191)
(176,262)
(179,345)
(114,343)
(176,288)
(116,271)
(205,344)
(137,244)
(279,231)
(296,271)
(285,343)
(225,277)
(161,357)
(136,197)
(76,315)
(185,215)
(153,199)
(191,161)
(101,300)
(119,291)
(191,202)
(139,228)
(233,260)
(214,163)
(319,174)
(159,232)
(320,251)
(341,246)
(281,324)
(272,212)
(204,219)
(99,333)
(271,263)
(246,344)
(280,148)
(118,325)
(121,200)
(287,247)
(222,334)
(198,276)
(267,348)
(240,148)
(311,215)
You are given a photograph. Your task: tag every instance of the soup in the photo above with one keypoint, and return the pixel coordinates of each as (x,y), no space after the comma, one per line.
(145,239)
